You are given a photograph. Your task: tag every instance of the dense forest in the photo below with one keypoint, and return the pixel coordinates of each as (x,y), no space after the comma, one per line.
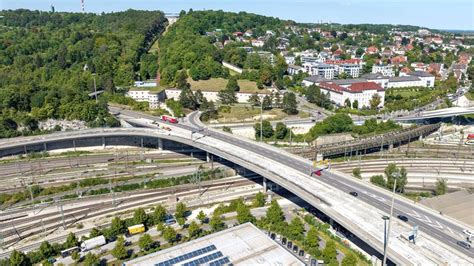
(186,45)
(48,62)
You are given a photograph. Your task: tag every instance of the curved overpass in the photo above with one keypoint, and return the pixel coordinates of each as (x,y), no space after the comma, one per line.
(289,171)
(440,113)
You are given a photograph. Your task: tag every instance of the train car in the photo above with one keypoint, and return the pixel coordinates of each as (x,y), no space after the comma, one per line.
(170,119)
(136,229)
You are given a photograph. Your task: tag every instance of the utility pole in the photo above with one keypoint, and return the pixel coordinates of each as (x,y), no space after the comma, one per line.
(62,215)
(389,223)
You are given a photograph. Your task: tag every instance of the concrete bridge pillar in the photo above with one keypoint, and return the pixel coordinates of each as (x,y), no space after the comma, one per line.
(160,144)
(103,142)
(74,144)
(141,143)
(265,185)
(420,138)
(45,147)
(208,157)
(390,147)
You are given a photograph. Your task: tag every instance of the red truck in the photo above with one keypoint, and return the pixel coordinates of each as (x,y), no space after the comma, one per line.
(170,119)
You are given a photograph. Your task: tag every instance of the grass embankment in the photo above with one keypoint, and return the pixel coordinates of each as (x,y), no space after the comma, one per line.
(217,84)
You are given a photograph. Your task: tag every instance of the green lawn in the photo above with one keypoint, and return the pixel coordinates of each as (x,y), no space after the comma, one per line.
(217,84)
(247,113)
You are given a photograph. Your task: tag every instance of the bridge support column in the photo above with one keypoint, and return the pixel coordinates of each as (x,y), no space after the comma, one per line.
(208,157)
(45,147)
(160,144)
(141,143)
(319,157)
(74,144)
(265,185)
(390,147)
(103,142)
(420,138)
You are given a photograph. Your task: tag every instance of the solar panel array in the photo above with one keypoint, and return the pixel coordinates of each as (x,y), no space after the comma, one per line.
(204,259)
(187,256)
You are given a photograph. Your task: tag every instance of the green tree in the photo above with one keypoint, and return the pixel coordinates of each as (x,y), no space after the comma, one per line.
(355,104)
(378,180)
(46,250)
(227,96)
(181,221)
(296,229)
(244,215)
(267,129)
(91,259)
(140,216)
(71,240)
(120,251)
(441,186)
(216,222)
(274,213)
(267,103)
(117,226)
(312,240)
(259,200)
(356,172)
(392,172)
(289,104)
(347,103)
(227,129)
(349,260)
(375,101)
(159,214)
(145,242)
(232,84)
(18,258)
(329,252)
(94,232)
(194,230)
(281,130)
(254,99)
(181,210)
(76,256)
(202,217)
(170,235)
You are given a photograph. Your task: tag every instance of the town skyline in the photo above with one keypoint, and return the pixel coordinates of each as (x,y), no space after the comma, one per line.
(455,16)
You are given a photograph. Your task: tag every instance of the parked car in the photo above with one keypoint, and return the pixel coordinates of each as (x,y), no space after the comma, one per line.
(301,253)
(464,244)
(272,236)
(283,241)
(314,262)
(278,237)
(295,249)
(290,244)
(402,217)
(353,193)
(307,257)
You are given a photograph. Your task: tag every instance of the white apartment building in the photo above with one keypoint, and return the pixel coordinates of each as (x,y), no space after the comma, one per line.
(353,70)
(428,80)
(324,70)
(386,70)
(242,97)
(405,81)
(145,95)
(362,92)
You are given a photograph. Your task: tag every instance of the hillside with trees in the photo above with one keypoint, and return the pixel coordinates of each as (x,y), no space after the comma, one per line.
(48,62)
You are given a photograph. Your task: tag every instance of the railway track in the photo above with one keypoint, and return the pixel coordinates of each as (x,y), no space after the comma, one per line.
(23,228)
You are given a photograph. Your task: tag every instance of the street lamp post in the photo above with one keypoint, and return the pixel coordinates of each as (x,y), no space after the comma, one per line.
(95,88)
(385,219)
(389,224)
(261,119)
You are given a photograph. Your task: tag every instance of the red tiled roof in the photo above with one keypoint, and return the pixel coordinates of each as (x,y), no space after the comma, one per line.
(331,86)
(372,49)
(347,61)
(363,86)
(353,88)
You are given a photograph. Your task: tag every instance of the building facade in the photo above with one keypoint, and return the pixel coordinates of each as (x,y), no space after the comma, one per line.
(386,70)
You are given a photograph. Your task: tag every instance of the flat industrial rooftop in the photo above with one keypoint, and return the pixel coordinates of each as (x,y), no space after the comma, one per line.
(240,245)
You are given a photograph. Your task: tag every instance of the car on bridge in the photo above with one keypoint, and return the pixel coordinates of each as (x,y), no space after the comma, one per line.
(353,193)
(402,217)
(464,244)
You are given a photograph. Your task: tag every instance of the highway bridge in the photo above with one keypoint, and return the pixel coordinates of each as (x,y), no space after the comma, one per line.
(328,193)
(368,144)
(436,114)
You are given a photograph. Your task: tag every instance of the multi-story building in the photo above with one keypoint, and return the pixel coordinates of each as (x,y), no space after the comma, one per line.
(153,97)
(362,92)
(426,78)
(405,81)
(386,70)
(325,70)
(352,70)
